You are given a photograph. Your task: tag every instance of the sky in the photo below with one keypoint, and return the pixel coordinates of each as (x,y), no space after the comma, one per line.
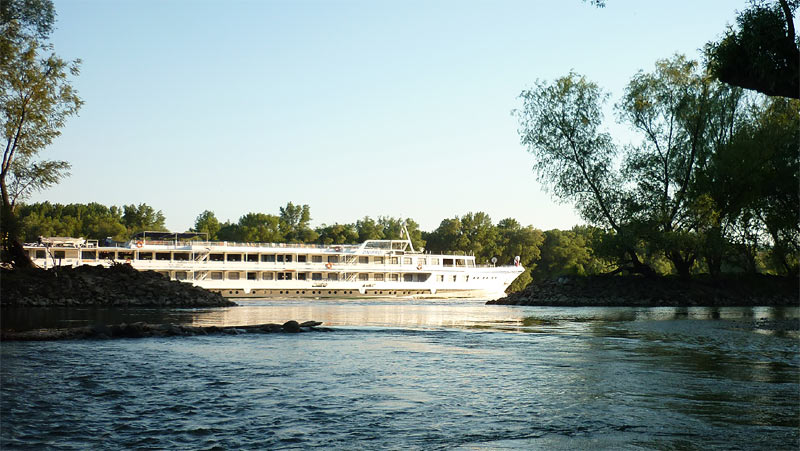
(356,108)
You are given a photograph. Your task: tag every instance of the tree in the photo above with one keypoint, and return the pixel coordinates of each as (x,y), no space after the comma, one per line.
(368,229)
(337,234)
(208,223)
(37,98)
(260,228)
(560,125)
(763,53)
(294,223)
(513,241)
(142,217)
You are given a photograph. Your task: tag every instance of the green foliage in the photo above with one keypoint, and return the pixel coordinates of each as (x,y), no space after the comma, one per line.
(570,252)
(262,228)
(337,234)
(208,223)
(91,221)
(142,217)
(713,178)
(294,224)
(37,98)
(763,53)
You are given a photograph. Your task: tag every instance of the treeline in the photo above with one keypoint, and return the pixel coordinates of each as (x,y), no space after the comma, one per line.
(582,250)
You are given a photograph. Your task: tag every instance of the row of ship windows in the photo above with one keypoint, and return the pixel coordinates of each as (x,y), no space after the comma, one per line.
(265,258)
(219,275)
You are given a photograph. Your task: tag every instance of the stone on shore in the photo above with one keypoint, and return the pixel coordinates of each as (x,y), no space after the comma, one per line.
(144,330)
(117,286)
(634,291)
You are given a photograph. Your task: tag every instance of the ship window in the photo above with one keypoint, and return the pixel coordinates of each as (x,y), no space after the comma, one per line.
(284,276)
(106,255)
(216,257)
(447,262)
(301,276)
(316,276)
(252,276)
(434,261)
(180,275)
(252,257)
(86,255)
(363,260)
(233,276)
(234,257)
(280,258)
(378,260)
(440,278)
(162,256)
(455,278)
(333,259)
(378,277)
(180,256)
(471,263)
(288,259)
(394,277)
(363,276)
(333,276)
(408,277)
(59,254)
(316,259)
(216,275)
(268,258)
(266,276)
(125,256)
(302,258)
(406,260)
(145,255)
(421,261)
(40,254)
(459,262)
(395,260)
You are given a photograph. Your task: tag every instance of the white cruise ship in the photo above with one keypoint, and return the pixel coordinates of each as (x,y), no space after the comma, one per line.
(374,268)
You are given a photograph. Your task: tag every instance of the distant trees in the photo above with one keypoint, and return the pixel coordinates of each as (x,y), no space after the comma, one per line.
(474,233)
(37,98)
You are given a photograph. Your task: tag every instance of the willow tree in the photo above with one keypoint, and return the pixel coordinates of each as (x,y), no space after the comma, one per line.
(36,100)
(560,124)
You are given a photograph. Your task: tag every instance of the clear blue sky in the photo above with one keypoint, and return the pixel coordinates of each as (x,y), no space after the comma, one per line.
(356,108)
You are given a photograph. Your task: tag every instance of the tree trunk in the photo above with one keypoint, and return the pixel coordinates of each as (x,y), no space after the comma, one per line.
(12,251)
(682,265)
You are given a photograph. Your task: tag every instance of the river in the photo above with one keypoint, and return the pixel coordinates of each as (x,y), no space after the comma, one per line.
(411,375)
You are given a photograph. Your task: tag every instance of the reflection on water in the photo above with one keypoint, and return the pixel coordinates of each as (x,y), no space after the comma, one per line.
(470,314)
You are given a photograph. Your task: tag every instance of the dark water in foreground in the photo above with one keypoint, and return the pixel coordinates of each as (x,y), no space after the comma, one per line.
(403,375)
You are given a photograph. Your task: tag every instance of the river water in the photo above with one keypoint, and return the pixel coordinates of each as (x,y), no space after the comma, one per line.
(411,375)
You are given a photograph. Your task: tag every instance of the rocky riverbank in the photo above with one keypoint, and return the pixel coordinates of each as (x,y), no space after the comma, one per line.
(633,291)
(117,286)
(143,330)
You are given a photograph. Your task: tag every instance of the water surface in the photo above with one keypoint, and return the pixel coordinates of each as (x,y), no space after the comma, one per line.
(413,374)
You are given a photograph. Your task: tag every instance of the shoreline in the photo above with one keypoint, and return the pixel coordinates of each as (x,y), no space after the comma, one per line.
(636,291)
(96,286)
(147,330)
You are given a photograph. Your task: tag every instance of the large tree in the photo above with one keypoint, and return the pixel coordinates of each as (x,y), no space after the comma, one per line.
(36,99)
(560,124)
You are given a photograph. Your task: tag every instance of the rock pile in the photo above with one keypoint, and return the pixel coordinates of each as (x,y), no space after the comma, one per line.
(117,286)
(142,330)
(632,291)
